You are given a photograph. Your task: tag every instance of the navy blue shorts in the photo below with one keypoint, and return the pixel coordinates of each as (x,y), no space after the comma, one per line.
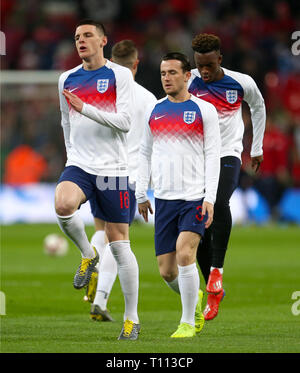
(173,217)
(111,194)
(96,209)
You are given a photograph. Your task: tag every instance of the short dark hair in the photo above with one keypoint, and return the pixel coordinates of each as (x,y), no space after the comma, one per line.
(205,43)
(89,21)
(124,53)
(185,63)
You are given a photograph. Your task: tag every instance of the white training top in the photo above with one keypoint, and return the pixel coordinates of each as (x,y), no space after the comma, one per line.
(96,139)
(227,95)
(181,150)
(142,98)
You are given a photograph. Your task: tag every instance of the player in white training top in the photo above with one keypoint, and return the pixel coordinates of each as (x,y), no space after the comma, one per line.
(226,90)
(95,101)
(181,150)
(124,53)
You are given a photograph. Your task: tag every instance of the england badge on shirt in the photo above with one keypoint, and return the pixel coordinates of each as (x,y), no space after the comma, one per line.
(231,96)
(189,116)
(102,85)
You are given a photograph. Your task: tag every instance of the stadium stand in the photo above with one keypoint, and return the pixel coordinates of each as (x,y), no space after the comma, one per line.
(256,39)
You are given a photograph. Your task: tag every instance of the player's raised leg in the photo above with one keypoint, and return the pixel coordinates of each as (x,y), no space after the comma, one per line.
(68,197)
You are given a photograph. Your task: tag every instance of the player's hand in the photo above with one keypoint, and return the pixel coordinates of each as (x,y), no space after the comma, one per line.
(256,161)
(208,208)
(143,209)
(75,101)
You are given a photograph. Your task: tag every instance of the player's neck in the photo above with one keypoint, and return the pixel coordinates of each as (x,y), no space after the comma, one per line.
(93,63)
(219,75)
(179,97)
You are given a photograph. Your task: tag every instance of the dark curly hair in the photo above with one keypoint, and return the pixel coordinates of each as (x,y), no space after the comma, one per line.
(204,43)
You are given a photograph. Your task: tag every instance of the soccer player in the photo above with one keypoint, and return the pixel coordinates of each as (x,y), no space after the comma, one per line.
(226,90)
(124,53)
(181,150)
(95,102)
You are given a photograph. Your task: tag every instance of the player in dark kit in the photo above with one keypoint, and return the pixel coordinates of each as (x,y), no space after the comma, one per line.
(226,90)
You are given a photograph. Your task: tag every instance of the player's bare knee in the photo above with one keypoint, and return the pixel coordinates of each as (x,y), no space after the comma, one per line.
(167,266)
(68,198)
(185,257)
(65,207)
(168,270)
(167,274)
(116,231)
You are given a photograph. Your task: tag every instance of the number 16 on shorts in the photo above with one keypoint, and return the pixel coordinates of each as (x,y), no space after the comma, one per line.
(124,200)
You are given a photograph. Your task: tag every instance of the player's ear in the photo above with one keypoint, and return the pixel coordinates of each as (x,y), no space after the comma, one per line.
(135,64)
(103,41)
(188,74)
(220,59)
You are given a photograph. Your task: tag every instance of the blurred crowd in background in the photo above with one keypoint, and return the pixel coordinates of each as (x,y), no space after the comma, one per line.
(256,39)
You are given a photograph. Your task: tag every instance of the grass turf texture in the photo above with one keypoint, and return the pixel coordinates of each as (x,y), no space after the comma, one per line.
(45,314)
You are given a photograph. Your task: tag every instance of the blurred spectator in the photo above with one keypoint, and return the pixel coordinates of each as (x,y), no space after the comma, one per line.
(177,38)
(296,155)
(31,117)
(256,39)
(65,56)
(102,10)
(274,176)
(23,166)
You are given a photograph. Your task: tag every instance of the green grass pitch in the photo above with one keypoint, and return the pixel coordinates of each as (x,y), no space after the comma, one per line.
(45,314)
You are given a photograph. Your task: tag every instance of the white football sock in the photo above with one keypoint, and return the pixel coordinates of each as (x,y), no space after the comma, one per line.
(173,285)
(98,241)
(73,227)
(220,269)
(189,283)
(128,272)
(107,275)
